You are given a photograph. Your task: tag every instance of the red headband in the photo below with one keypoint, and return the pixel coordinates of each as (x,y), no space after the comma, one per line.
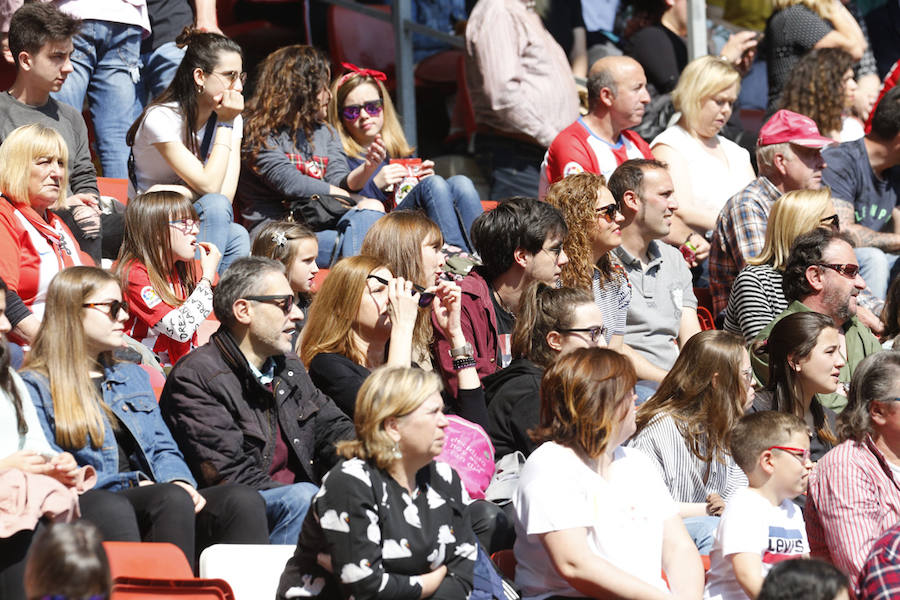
(354,70)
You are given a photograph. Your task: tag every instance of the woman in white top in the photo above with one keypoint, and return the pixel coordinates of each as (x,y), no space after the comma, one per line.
(706,168)
(594,519)
(191,137)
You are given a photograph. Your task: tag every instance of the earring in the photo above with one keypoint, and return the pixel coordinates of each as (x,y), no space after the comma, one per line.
(396,452)
(199,89)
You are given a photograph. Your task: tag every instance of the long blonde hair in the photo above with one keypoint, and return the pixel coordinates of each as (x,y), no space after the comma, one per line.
(792,215)
(391,132)
(820,7)
(59,353)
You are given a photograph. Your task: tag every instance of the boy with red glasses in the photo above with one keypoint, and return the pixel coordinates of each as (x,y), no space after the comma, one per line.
(761,526)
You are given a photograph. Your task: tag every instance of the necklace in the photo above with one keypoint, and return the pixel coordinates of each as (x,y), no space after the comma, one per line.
(503,304)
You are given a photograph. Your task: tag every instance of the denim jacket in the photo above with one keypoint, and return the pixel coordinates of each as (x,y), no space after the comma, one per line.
(127,391)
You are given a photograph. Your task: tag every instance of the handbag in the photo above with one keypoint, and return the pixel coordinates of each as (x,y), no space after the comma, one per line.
(318,211)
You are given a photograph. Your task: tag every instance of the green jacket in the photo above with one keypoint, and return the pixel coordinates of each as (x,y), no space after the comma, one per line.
(860,344)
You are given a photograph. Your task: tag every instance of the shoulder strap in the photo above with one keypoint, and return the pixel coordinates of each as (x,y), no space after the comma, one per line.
(208,135)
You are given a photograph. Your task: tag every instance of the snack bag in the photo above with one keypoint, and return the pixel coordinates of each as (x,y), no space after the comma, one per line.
(409,181)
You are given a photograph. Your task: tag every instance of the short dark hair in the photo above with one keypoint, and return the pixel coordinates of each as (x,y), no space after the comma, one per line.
(67,560)
(244,277)
(806,251)
(517,222)
(629,176)
(37,23)
(800,579)
(759,431)
(886,118)
(596,81)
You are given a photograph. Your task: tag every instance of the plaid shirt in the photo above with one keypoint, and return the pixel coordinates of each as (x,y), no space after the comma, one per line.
(740,234)
(880,576)
(853,499)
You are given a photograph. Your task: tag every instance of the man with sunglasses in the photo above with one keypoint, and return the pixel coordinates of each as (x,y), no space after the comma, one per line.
(789,156)
(243,409)
(822,275)
(864,176)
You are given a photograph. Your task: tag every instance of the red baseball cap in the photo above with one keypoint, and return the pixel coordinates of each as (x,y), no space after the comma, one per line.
(786,126)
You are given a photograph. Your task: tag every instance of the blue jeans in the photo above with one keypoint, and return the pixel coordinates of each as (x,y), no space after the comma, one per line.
(107,69)
(877,268)
(703,531)
(157,70)
(354,224)
(286,508)
(217,227)
(644,389)
(451,203)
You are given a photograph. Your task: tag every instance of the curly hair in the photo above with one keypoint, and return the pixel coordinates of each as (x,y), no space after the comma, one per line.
(575,197)
(286,96)
(816,88)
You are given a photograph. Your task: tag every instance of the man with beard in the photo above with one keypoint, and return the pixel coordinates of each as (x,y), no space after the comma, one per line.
(822,275)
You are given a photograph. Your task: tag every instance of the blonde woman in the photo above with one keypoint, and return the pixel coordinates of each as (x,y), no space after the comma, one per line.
(706,168)
(798,26)
(756,295)
(389,521)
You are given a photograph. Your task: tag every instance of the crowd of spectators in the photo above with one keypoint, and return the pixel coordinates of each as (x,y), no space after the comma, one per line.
(541,377)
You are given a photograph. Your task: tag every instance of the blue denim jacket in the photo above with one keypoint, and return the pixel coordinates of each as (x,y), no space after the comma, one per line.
(127,391)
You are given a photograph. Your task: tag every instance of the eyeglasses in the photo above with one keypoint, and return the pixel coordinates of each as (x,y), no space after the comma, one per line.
(373,108)
(800,454)
(608,212)
(232,76)
(748,376)
(284,302)
(850,271)
(113,308)
(184,225)
(425,298)
(596,332)
(555,251)
(834,221)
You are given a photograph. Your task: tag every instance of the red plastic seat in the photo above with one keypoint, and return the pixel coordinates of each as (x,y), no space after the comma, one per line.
(133,588)
(147,560)
(362,40)
(506,562)
(117,188)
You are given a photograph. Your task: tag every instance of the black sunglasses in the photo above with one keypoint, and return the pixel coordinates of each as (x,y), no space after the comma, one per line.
(425,298)
(113,307)
(849,271)
(834,221)
(373,108)
(284,302)
(608,212)
(595,332)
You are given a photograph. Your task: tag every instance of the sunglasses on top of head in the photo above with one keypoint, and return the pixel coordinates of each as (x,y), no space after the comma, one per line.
(425,298)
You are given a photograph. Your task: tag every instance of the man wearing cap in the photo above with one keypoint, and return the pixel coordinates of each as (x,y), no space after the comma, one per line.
(864,176)
(788,152)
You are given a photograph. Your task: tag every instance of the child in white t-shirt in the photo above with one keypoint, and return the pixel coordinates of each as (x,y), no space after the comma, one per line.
(761,526)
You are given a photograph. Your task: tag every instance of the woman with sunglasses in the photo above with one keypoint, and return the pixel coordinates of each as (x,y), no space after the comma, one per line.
(550,322)
(190,136)
(169,294)
(805,359)
(362,113)
(291,155)
(105,413)
(756,296)
(363,317)
(685,427)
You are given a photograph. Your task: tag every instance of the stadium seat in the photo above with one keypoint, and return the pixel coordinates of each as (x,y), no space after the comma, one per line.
(251,570)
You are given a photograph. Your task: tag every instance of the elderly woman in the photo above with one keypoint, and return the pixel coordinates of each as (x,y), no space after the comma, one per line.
(853,496)
(594,519)
(389,521)
(36,243)
(706,168)
(756,295)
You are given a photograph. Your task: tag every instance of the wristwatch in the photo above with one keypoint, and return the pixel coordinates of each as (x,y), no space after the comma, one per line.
(462,351)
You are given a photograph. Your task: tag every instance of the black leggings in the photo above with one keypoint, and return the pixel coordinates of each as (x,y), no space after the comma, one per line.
(164,512)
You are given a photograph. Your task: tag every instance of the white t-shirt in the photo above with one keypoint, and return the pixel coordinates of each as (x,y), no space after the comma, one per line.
(751,523)
(164,123)
(623,514)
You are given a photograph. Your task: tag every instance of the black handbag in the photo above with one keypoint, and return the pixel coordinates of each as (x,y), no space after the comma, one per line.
(318,211)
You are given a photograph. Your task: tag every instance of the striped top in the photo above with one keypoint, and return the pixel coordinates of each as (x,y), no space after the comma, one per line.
(682,472)
(853,499)
(612,297)
(756,299)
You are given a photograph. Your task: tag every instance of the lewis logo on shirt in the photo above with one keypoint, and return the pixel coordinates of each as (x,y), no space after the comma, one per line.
(784,544)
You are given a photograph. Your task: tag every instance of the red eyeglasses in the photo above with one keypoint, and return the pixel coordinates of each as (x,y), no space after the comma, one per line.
(800,454)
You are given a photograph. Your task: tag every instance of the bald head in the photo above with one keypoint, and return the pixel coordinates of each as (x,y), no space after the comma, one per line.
(613,77)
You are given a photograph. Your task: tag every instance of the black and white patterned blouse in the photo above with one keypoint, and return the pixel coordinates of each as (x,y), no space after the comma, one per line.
(381,539)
